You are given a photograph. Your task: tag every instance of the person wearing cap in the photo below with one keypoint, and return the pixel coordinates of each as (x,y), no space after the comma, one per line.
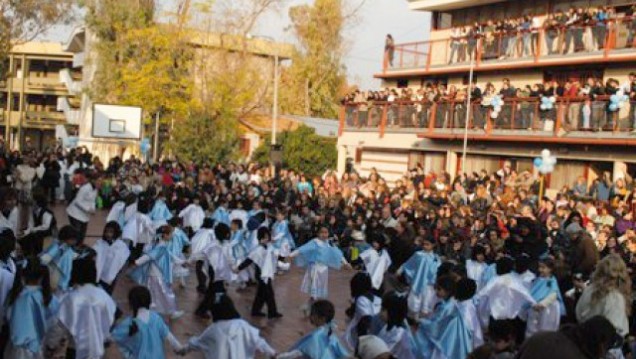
(591,339)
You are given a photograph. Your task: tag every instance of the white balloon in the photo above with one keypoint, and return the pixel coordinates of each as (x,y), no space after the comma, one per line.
(621,104)
(553,99)
(494,114)
(551,160)
(545,154)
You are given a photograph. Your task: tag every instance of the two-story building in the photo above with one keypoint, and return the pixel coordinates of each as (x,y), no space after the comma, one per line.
(524,42)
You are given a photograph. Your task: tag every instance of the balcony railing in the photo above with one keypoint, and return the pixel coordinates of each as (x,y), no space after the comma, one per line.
(585,43)
(577,119)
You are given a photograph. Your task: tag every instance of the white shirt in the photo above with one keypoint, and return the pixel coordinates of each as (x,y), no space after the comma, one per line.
(230,339)
(612,307)
(83,204)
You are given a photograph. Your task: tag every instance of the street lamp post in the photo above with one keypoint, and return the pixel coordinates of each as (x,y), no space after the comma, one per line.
(275,155)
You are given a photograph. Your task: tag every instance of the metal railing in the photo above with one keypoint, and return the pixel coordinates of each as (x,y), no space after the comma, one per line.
(599,40)
(516,114)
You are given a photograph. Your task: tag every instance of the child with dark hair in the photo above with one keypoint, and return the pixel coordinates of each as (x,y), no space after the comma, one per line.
(546,314)
(142,335)
(86,313)
(505,296)
(218,262)
(397,333)
(282,238)
(522,269)
(59,257)
(193,215)
(229,336)
(238,237)
(466,289)
(201,240)
(154,270)
(42,225)
(420,272)
(363,303)
(377,260)
(264,258)
(476,266)
(29,307)
(112,255)
(444,334)
(323,341)
(176,247)
(318,255)
(139,228)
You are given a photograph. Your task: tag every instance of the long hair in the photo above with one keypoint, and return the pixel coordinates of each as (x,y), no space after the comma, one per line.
(33,272)
(611,275)
(138,297)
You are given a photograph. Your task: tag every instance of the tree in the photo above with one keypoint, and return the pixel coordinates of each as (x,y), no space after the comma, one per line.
(205,138)
(319,61)
(140,62)
(303,151)
(24,20)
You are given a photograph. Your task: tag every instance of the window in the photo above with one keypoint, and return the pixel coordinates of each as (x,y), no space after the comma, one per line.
(358,158)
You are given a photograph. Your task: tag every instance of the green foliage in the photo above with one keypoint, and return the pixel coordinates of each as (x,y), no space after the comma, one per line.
(319,61)
(140,62)
(205,137)
(303,151)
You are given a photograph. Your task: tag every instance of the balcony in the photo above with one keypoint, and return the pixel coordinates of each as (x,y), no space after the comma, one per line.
(502,51)
(71,114)
(571,121)
(45,118)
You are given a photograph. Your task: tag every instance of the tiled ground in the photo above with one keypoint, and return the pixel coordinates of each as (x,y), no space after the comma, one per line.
(280,333)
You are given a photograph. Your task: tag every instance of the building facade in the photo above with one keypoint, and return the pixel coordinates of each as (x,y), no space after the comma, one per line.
(262,54)
(36,96)
(528,43)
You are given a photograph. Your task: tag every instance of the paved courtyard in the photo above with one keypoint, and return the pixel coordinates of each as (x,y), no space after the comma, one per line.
(280,333)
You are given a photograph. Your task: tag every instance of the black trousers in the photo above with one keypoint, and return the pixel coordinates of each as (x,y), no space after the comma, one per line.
(265,296)
(201,277)
(79,226)
(214,288)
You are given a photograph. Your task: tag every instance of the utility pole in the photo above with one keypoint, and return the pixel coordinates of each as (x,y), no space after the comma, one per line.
(275,102)
(155,147)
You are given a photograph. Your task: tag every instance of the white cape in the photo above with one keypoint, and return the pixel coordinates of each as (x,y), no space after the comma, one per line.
(110,259)
(87,313)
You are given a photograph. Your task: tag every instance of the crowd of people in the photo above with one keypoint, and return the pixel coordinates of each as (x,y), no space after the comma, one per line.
(564,32)
(481,265)
(587,105)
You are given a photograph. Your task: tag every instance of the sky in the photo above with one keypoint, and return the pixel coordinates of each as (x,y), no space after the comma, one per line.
(364,36)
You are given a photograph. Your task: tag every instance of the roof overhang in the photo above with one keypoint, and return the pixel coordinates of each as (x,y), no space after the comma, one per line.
(446,5)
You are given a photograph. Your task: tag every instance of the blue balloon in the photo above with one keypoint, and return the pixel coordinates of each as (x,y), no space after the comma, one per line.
(538,162)
(614,98)
(613,107)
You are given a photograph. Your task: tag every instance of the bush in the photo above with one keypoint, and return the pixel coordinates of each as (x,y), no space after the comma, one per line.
(303,151)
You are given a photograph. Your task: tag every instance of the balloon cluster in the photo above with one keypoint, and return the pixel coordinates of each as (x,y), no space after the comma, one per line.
(547,103)
(144,146)
(496,104)
(545,164)
(617,101)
